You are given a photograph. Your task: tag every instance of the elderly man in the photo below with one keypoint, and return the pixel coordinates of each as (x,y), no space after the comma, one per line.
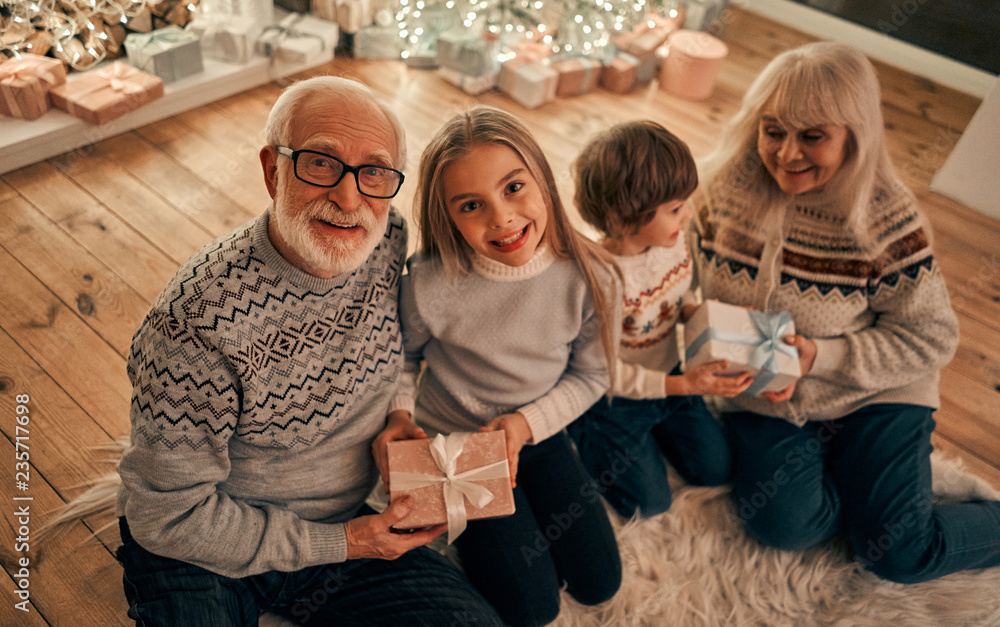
(261,375)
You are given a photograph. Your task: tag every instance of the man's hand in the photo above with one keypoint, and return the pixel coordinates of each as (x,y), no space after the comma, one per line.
(398,426)
(515,427)
(370,536)
(705,379)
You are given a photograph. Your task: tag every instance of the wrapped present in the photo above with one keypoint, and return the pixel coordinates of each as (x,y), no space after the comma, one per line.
(531,84)
(749,340)
(226,37)
(701,14)
(260,11)
(378,42)
(171,53)
(472,85)
(352,15)
(620,73)
(298,38)
(467,52)
(141,22)
(102,95)
(453,479)
(577,75)
(421,58)
(692,64)
(25,85)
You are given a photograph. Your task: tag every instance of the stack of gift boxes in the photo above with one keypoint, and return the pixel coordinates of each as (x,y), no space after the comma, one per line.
(168,40)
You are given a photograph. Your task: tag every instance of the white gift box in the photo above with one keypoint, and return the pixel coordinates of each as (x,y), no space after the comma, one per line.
(298,38)
(472,85)
(530,84)
(227,38)
(749,340)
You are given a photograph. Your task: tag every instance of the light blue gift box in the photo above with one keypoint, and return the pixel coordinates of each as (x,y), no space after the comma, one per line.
(749,340)
(171,53)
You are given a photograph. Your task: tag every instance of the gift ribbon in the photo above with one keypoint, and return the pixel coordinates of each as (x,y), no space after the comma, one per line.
(163,39)
(282,32)
(457,487)
(767,344)
(115,77)
(24,69)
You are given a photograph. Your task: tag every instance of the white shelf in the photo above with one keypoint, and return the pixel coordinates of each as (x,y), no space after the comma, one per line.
(26,142)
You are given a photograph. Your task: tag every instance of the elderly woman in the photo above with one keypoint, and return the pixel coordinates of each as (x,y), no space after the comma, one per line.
(802,211)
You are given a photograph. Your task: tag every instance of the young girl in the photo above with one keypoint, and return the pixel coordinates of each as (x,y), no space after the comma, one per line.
(801,210)
(513,314)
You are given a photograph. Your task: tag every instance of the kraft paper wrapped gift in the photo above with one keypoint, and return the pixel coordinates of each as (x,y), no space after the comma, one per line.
(171,53)
(620,73)
(324,9)
(453,479)
(749,340)
(25,84)
(531,84)
(101,95)
(577,75)
(298,39)
(228,38)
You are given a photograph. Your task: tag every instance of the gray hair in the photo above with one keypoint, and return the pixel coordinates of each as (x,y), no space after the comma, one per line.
(337,90)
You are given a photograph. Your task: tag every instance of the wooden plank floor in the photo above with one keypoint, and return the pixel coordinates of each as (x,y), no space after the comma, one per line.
(87,240)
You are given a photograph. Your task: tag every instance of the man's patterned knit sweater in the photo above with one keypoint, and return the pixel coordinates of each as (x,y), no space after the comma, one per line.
(257,390)
(879,314)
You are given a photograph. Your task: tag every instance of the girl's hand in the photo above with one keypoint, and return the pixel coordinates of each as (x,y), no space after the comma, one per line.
(515,427)
(807,355)
(398,426)
(705,379)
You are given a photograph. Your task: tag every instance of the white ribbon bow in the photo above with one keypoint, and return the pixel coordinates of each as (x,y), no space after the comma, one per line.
(457,487)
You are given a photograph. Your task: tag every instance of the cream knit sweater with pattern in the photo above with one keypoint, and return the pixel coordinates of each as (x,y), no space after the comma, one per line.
(880,315)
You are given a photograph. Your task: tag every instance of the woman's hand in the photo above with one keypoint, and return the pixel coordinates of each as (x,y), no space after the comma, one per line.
(515,427)
(807,355)
(398,426)
(705,379)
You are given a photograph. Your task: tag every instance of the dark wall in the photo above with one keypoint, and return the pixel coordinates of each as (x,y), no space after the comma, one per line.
(964,30)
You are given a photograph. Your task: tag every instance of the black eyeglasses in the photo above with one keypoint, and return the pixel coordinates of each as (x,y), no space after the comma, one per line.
(323,170)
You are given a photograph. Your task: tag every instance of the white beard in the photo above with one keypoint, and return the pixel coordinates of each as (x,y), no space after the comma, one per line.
(327,256)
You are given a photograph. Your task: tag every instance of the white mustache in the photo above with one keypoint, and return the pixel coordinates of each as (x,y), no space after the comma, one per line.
(326,211)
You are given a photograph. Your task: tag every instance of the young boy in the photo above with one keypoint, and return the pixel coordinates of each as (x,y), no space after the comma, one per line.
(633,182)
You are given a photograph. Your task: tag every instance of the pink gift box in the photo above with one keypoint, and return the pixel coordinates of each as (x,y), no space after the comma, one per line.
(25,84)
(102,95)
(417,467)
(692,64)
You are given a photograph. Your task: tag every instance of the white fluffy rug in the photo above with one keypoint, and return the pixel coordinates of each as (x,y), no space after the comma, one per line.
(695,566)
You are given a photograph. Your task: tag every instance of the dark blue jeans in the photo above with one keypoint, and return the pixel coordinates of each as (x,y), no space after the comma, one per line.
(867,475)
(622,445)
(419,588)
(559,533)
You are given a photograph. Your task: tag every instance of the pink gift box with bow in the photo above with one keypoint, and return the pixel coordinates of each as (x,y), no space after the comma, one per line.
(453,479)
(25,84)
(102,95)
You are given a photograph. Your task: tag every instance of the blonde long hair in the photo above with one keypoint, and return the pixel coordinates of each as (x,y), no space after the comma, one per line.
(438,238)
(819,83)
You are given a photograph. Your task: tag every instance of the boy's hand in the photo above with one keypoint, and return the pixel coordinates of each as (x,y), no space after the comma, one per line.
(515,427)
(705,380)
(398,426)
(687,311)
